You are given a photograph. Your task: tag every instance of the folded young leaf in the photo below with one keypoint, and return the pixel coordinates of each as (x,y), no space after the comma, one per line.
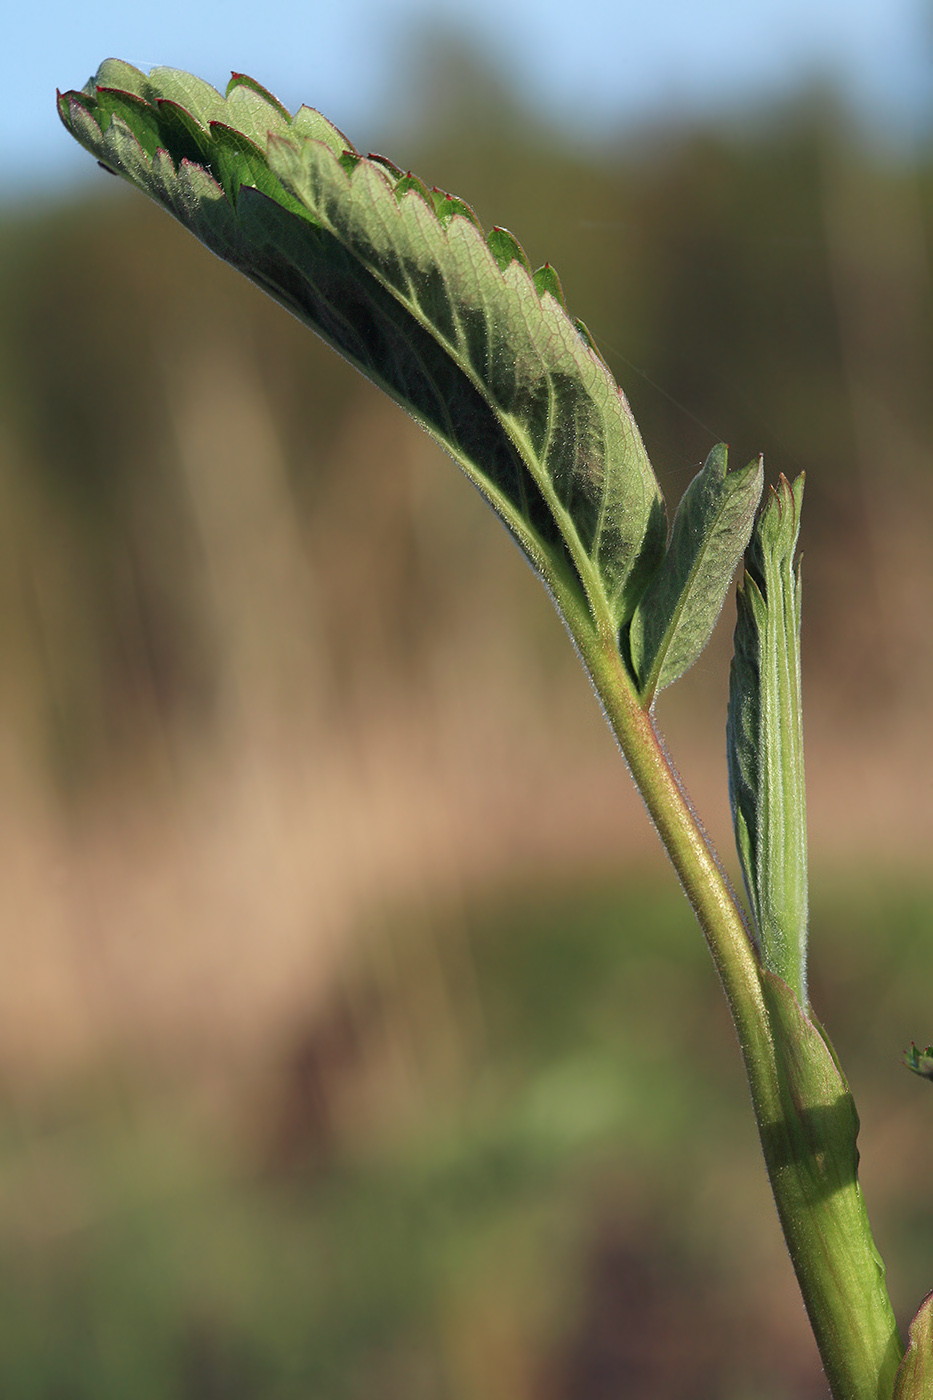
(402,281)
(764,739)
(677,613)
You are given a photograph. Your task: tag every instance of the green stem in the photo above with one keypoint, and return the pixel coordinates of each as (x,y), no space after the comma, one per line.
(805,1115)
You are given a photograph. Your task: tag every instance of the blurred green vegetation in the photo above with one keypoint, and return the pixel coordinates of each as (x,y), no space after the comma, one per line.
(427,1103)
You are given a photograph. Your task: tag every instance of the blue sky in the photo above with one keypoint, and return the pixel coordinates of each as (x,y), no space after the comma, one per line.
(591,63)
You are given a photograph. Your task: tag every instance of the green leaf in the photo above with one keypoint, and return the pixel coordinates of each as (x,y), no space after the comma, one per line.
(242,80)
(547,280)
(677,613)
(764,739)
(505,248)
(587,336)
(915,1376)
(447,206)
(402,282)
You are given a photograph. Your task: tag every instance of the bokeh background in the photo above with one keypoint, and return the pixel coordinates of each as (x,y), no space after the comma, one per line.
(354,1038)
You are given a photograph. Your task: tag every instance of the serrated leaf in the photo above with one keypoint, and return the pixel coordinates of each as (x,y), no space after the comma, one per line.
(403,283)
(764,739)
(246,84)
(915,1376)
(547,280)
(411,182)
(388,166)
(237,161)
(677,613)
(505,248)
(135,111)
(448,206)
(308,122)
(588,337)
(199,98)
(193,140)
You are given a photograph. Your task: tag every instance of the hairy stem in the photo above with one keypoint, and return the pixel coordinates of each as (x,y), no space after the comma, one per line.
(805,1115)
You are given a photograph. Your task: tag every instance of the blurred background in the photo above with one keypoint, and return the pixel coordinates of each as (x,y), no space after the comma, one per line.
(355,1039)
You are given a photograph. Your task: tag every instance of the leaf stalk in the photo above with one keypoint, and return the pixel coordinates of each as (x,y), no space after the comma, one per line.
(806,1118)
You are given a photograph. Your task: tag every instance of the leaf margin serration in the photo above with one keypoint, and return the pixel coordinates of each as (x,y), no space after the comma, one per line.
(613,532)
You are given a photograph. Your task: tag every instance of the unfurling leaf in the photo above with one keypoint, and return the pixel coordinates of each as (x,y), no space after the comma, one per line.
(677,613)
(764,738)
(402,281)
